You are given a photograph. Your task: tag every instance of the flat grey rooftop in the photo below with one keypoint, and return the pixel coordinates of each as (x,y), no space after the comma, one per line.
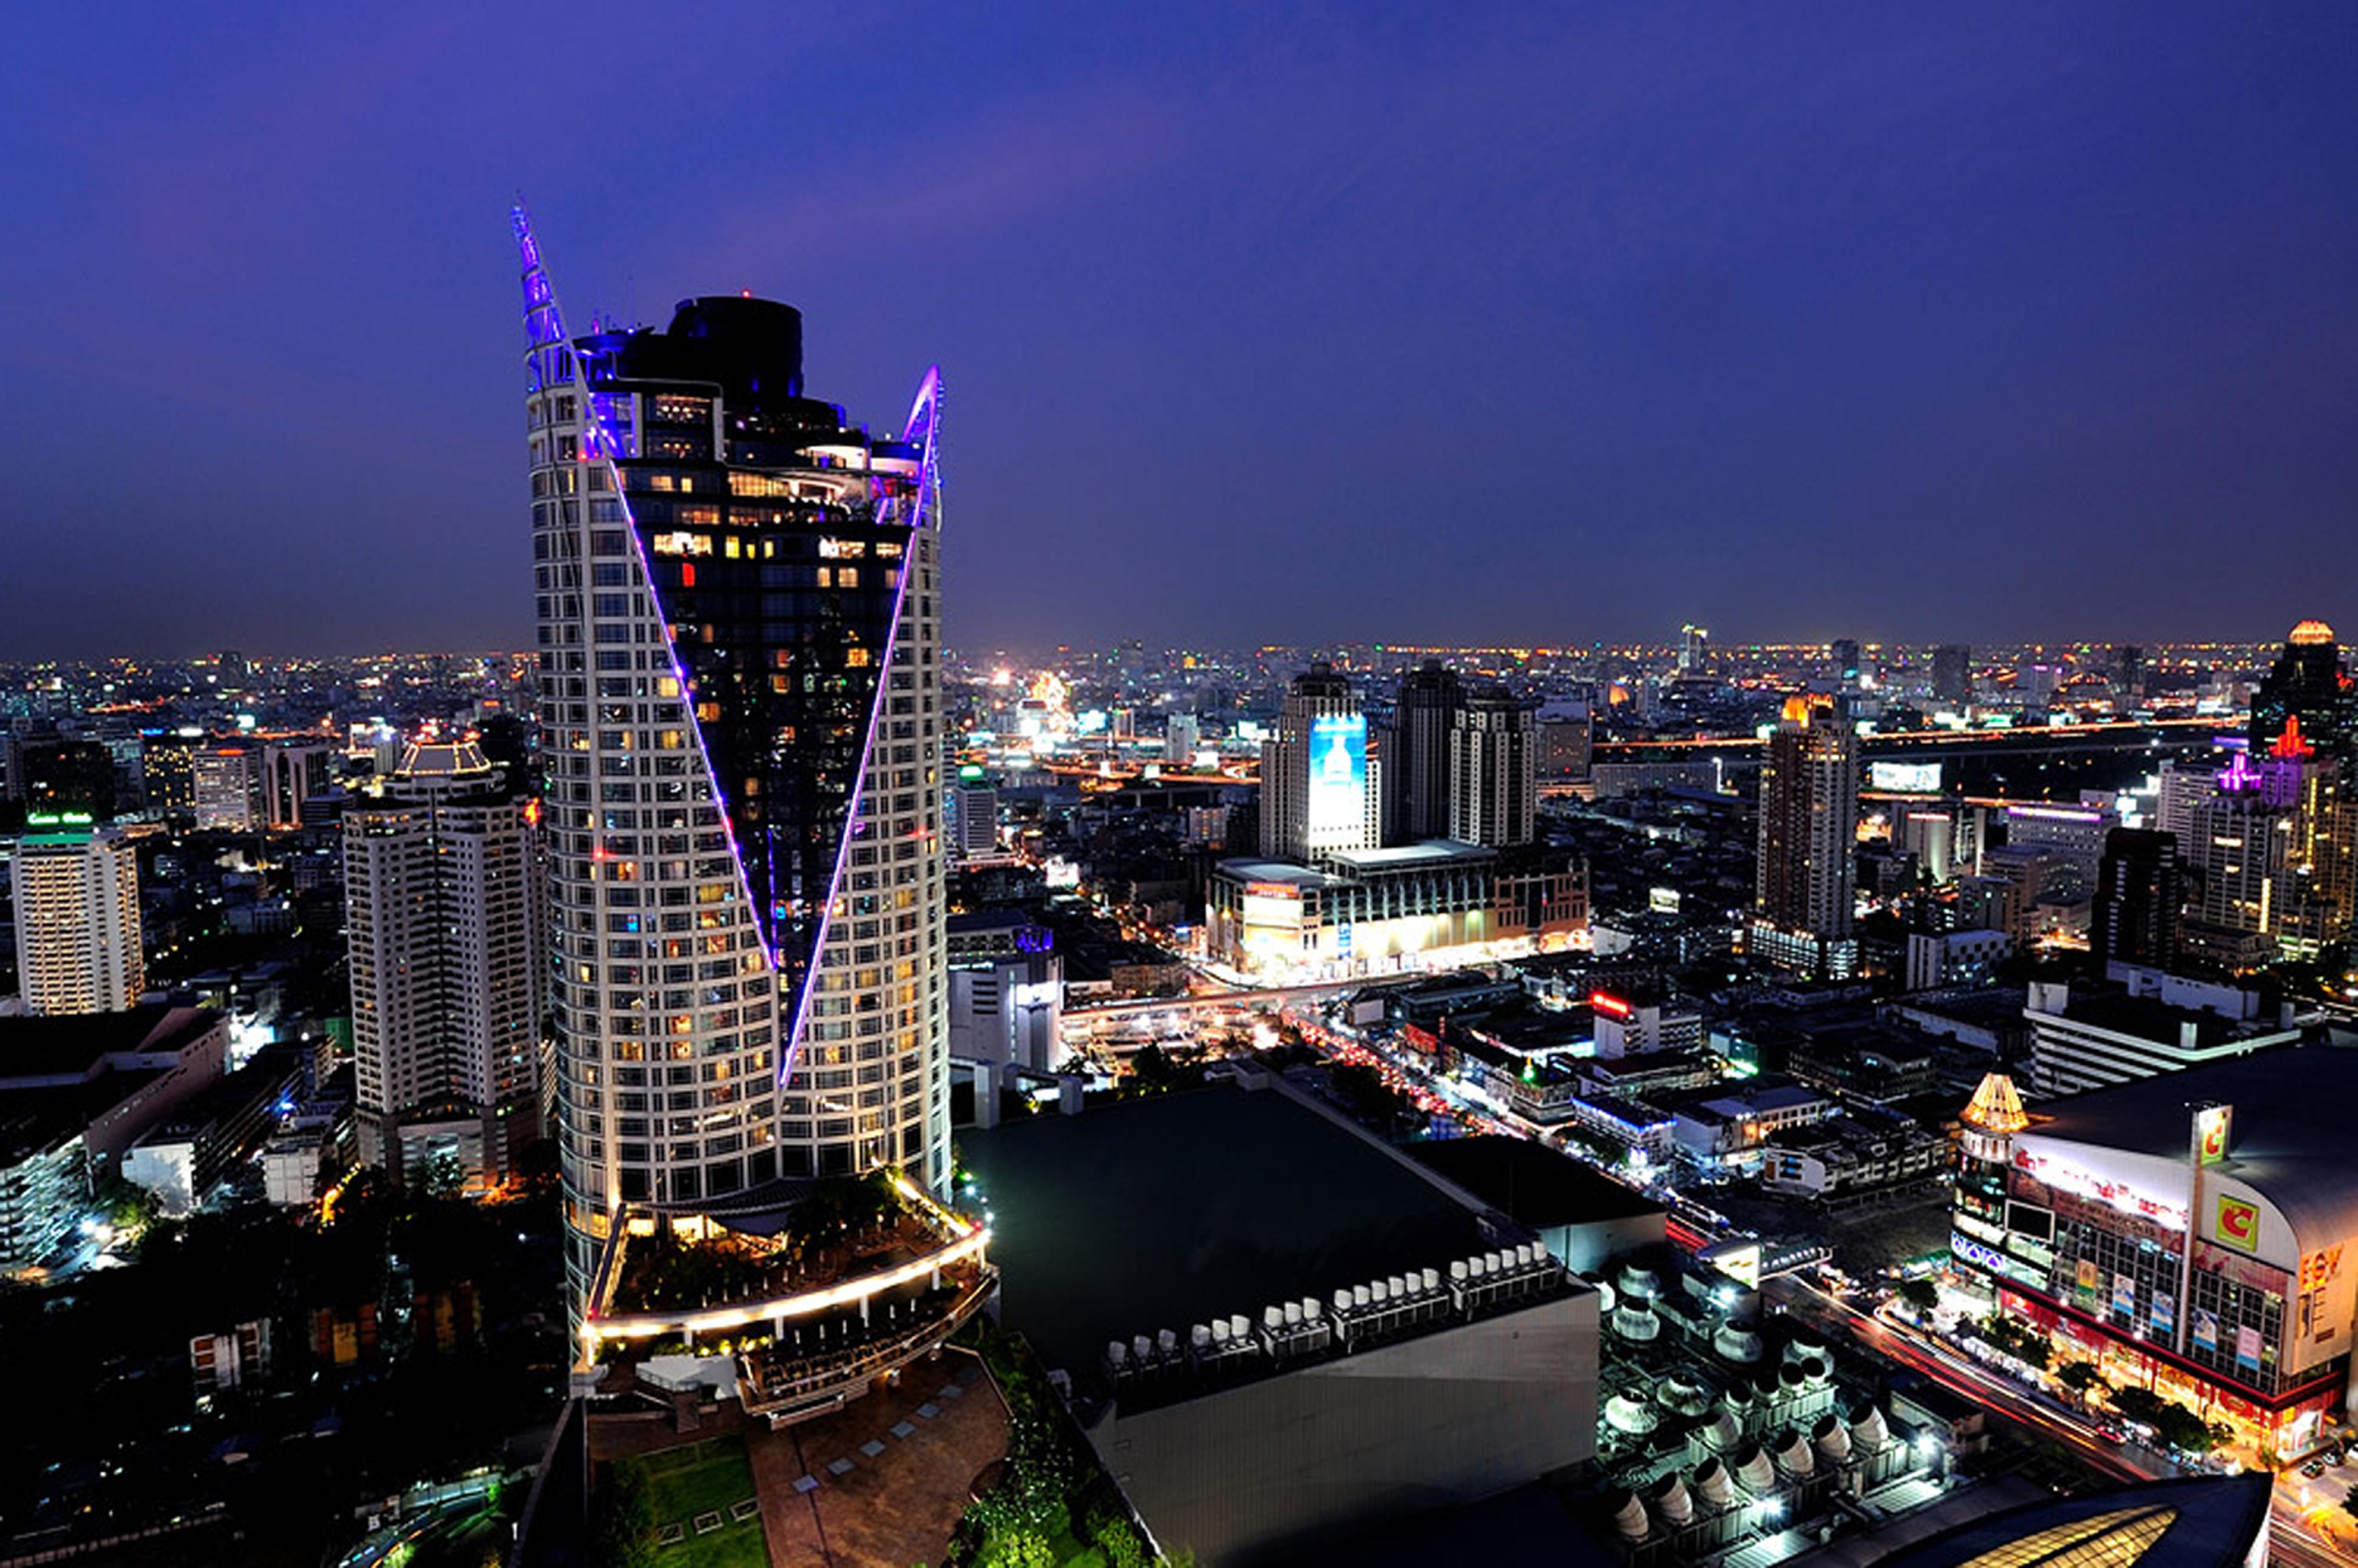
(1162,1212)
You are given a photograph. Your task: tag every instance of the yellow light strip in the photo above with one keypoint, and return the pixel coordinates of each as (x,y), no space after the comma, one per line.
(643,1326)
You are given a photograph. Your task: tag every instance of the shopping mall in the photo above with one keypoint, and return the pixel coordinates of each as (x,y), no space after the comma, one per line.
(2188,1231)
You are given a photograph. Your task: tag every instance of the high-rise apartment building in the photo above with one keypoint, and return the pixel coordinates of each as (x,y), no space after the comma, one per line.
(77,921)
(1493,786)
(1320,792)
(973,810)
(741,703)
(1417,763)
(1807,878)
(445,912)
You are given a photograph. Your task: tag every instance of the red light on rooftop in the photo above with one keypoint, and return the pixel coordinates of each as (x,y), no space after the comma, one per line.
(2289,746)
(1605,1002)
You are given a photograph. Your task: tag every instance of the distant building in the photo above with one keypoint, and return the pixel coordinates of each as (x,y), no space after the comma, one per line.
(167,772)
(226,784)
(444,907)
(68,780)
(1493,771)
(1807,878)
(2071,837)
(2308,683)
(1954,957)
(1319,790)
(1373,910)
(2094,1036)
(1953,673)
(974,812)
(1183,736)
(1426,715)
(1567,748)
(2138,895)
(78,934)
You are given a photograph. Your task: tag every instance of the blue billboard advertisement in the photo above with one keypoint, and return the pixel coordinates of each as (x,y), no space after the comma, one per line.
(1338,775)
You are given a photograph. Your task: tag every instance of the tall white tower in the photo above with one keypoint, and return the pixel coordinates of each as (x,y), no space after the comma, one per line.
(741,707)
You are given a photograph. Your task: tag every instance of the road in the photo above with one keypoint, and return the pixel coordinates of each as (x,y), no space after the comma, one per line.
(2303,1527)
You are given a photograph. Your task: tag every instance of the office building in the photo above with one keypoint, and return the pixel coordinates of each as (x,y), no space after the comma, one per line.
(226,787)
(740,697)
(78,934)
(2127,673)
(2071,837)
(1425,718)
(292,772)
(1842,656)
(2180,787)
(1806,881)
(2308,682)
(2138,895)
(1953,673)
(445,928)
(1937,960)
(2190,1233)
(167,770)
(974,821)
(1320,792)
(1493,771)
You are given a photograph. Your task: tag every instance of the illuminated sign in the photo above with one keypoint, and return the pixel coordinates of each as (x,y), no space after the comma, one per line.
(2211,1125)
(1338,775)
(1904,778)
(58,819)
(1965,1250)
(1285,913)
(1612,1004)
(2205,1330)
(2237,1224)
(2097,1186)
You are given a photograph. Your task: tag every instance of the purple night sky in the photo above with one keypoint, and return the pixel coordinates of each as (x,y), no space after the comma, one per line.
(1546,323)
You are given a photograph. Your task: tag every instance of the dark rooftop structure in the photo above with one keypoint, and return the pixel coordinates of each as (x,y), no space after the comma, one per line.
(73,1047)
(1169,1210)
(1531,1184)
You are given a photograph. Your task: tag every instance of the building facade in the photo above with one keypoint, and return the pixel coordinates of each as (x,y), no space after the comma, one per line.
(445,930)
(1424,717)
(1493,771)
(1320,792)
(740,697)
(78,934)
(1807,877)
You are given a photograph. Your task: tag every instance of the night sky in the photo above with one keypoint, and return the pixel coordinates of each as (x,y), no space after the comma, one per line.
(1526,324)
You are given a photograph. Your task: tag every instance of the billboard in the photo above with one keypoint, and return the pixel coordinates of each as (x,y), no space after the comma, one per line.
(2211,1134)
(2237,1225)
(1338,775)
(1904,778)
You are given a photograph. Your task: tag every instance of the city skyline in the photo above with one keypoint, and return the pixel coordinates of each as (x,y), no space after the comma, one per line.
(1765,304)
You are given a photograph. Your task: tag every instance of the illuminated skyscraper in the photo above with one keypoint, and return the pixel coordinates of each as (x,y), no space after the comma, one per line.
(442,903)
(2308,681)
(744,811)
(78,944)
(1807,878)
(1318,792)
